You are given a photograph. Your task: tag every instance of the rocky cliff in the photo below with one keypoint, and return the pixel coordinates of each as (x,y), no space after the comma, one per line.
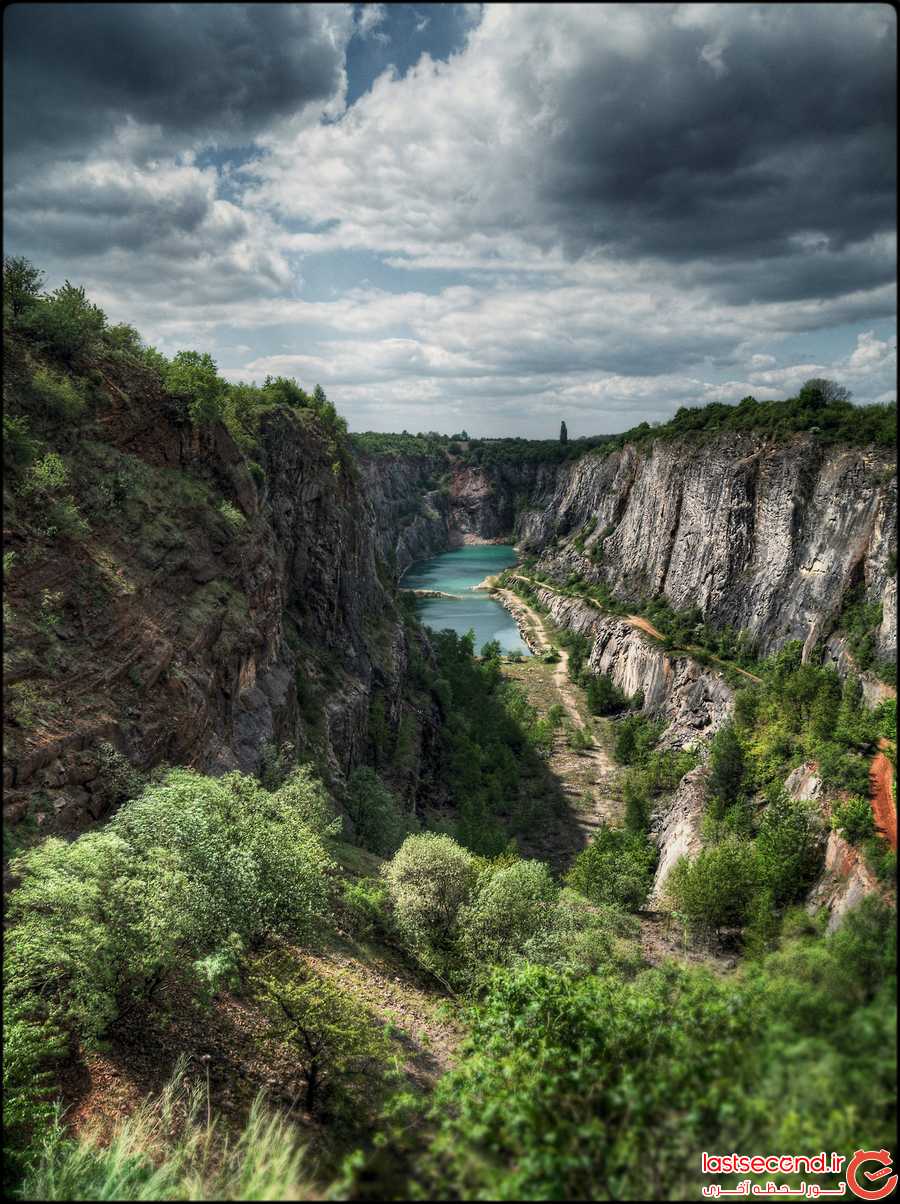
(765,535)
(194,614)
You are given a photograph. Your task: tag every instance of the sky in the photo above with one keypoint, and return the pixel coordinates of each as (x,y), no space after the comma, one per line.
(466,216)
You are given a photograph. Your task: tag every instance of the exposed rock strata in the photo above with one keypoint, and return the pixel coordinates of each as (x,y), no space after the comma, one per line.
(676,829)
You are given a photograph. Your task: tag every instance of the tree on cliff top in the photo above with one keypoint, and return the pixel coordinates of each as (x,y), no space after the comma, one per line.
(563,433)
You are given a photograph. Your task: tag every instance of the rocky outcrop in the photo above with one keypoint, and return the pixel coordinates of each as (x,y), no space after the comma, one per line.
(694,700)
(845,878)
(765,535)
(410,505)
(676,828)
(206,617)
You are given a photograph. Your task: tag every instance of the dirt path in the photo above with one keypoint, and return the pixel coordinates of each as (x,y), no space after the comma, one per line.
(881,774)
(564,687)
(589,777)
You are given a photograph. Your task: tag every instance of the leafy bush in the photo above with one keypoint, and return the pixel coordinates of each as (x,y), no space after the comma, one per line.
(194,376)
(510,906)
(635,737)
(173,875)
(430,878)
(854,820)
(615,868)
(564,1078)
(55,395)
(603,696)
(789,847)
(65,323)
(726,770)
(715,890)
(379,821)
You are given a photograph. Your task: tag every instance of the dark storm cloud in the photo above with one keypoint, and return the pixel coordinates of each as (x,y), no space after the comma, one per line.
(727,141)
(200,71)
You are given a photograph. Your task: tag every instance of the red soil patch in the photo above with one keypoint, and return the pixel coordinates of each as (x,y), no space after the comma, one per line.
(881,774)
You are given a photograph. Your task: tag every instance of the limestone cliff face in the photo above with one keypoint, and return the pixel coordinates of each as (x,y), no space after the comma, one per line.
(764,536)
(202,616)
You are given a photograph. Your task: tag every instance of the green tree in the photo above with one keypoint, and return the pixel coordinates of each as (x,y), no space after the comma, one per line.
(379,822)
(194,375)
(337,1046)
(715,890)
(616,867)
(430,878)
(563,433)
(21,286)
(511,905)
(789,847)
(726,770)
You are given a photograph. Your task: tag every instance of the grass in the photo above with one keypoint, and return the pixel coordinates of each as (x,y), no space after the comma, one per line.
(170,1148)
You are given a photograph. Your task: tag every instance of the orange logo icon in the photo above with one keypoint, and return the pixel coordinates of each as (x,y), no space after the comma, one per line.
(866,1193)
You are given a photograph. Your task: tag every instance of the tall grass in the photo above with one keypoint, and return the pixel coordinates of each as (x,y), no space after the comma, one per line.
(169,1149)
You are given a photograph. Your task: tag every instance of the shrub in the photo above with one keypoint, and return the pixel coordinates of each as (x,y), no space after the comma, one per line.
(21,287)
(233,517)
(615,868)
(635,737)
(715,890)
(789,847)
(55,395)
(168,881)
(19,448)
(28,1047)
(854,820)
(726,770)
(379,822)
(430,878)
(842,769)
(603,696)
(511,905)
(194,376)
(66,323)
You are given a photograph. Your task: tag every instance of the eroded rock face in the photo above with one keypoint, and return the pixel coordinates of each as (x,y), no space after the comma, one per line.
(411,511)
(217,635)
(693,700)
(676,828)
(845,878)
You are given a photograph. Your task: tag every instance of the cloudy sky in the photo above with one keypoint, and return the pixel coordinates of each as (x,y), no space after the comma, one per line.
(465,215)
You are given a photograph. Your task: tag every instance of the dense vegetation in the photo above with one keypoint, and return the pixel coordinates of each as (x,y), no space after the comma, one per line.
(63,353)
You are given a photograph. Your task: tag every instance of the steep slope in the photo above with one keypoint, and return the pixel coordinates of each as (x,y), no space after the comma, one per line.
(166,605)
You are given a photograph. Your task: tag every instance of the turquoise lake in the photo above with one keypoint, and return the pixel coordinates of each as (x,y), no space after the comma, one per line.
(457,572)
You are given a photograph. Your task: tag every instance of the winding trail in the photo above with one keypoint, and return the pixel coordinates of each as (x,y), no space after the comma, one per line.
(514,603)
(884,809)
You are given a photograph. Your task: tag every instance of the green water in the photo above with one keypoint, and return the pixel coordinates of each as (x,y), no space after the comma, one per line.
(457,572)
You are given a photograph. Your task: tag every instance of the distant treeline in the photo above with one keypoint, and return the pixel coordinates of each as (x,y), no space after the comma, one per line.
(822,409)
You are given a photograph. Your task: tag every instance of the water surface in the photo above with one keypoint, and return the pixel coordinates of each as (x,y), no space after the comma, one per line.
(457,572)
